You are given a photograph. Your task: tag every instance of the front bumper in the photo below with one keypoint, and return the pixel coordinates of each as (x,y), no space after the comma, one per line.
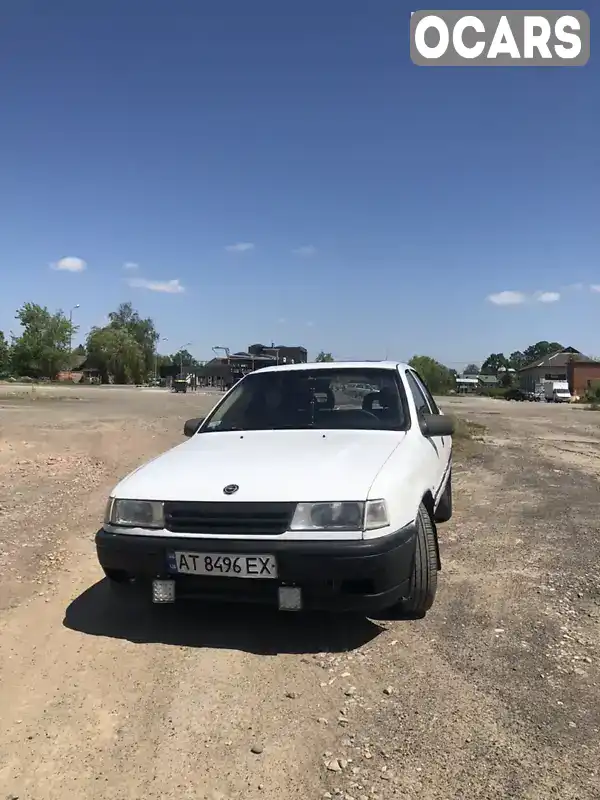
(364,576)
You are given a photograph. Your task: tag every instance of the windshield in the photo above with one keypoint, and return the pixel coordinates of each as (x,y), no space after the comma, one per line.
(336,398)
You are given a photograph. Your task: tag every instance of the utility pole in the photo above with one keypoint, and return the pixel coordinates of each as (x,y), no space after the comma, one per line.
(71,335)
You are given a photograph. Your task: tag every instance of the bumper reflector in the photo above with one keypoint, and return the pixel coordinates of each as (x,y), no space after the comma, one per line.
(163,591)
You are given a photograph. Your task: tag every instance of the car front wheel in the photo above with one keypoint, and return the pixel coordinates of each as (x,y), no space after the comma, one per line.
(423,583)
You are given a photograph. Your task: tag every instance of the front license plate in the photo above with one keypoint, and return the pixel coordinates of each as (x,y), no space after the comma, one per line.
(223,565)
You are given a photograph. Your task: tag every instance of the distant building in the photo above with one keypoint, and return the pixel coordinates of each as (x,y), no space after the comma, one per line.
(223,372)
(467,384)
(81,372)
(582,376)
(283,354)
(470,384)
(567,364)
(488,381)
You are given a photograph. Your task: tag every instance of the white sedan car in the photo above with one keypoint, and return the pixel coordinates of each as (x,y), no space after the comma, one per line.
(298,490)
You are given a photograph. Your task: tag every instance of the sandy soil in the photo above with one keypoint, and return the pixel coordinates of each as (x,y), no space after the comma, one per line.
(494,695)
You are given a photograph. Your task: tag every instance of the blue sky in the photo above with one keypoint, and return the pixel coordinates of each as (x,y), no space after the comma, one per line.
(375,204)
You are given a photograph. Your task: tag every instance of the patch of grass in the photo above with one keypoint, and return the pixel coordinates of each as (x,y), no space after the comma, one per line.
(468,437)
(466,429)
(35,397)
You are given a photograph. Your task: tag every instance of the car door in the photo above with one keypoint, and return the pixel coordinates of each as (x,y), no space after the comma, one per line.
(440,445)
(446,440)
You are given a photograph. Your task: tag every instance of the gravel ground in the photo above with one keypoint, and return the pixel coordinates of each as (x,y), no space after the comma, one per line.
(494,695)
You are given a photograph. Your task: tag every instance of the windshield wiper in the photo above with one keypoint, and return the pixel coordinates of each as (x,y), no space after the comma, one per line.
(230,429)
(293,428)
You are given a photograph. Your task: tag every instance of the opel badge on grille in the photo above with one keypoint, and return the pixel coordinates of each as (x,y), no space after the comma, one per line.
(231,488)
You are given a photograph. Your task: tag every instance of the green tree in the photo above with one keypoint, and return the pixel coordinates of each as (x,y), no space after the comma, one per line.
(438,377)
(322,357)
(42,349)
(539,350)
(183,358)
(117,354)
(517,359)
(143,331)
(493,363)
(471,369)
(79,350)
(4,356)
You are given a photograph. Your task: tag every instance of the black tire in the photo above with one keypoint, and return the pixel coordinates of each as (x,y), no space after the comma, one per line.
(443,512)
(423,584)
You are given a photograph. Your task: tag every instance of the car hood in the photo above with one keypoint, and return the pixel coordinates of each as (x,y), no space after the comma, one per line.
(282,466)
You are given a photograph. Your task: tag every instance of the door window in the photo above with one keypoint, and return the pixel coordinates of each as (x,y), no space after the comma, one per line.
(421,383)
(418,396)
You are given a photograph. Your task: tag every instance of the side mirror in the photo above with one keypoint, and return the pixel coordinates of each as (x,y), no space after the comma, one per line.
(436,425)
(191,426)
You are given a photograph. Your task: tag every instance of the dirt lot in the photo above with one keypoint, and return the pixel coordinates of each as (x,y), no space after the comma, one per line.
(495,694)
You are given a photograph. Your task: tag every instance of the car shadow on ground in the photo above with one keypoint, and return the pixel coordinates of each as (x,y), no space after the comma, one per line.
(253,629)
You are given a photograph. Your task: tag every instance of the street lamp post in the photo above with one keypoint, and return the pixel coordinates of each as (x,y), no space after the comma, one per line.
(187,344)
(160,339)
(71,335)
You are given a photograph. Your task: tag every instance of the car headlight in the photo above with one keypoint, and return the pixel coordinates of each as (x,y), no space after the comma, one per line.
(135,513)
(345,516)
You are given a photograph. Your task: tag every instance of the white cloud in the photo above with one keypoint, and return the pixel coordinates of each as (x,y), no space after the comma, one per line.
(131,266)
(240,247)
(69,264)
(547,297)
(507,298)
(167,287)
(595,287)
(307,250)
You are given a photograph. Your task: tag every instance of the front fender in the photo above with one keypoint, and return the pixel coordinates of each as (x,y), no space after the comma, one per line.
(402,483)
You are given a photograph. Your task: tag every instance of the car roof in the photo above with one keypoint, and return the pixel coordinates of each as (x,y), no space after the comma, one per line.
(350,365)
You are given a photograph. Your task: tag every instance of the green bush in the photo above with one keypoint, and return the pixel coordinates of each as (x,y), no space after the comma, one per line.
(494,391)
(592,396)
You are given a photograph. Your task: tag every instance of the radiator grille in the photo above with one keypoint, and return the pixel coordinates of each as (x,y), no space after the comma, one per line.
(235,519)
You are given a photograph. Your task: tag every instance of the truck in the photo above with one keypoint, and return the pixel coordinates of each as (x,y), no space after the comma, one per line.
(557,392)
